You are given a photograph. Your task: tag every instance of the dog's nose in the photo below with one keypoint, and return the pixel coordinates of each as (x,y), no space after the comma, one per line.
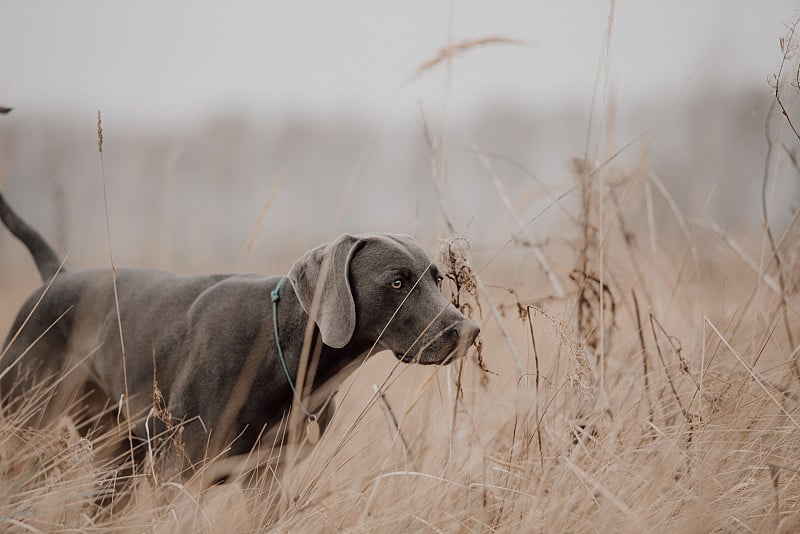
(468,331)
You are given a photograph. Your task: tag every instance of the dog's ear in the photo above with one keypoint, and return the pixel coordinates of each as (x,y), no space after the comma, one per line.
(322,284)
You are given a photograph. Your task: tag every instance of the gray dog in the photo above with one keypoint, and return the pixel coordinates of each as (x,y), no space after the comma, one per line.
(226,347)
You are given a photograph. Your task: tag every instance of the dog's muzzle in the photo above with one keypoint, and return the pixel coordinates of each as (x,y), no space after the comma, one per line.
(447,345)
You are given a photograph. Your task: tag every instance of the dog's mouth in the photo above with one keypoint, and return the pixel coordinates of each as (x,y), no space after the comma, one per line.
(444,347)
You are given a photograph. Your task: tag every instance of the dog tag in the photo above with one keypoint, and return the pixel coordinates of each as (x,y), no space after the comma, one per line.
(312,431)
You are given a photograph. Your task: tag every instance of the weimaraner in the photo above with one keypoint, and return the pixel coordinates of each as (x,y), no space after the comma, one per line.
(223,375)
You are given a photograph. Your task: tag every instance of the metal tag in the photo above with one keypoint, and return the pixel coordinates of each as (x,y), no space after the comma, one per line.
(312,431)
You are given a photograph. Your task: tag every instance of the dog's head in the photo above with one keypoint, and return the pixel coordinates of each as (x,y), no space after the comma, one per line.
(384,288)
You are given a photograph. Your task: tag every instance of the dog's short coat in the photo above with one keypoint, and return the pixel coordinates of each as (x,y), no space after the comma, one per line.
(212,337)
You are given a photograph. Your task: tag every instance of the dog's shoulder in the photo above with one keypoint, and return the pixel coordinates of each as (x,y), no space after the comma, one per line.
(247,295)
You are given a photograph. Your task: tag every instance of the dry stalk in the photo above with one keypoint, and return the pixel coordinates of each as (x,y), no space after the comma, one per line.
(593,296)
(652,232)
(677,349)
(676,212)
(459,271)
(760,272)
(391,420)
(755,376)
(591,223)
(496,309)
(538,382)
(592,304)
(774,474)
(585,326)
(528,239)
(734,245)
(466,298)
(645,373)
(628,237)
(172,436)
(114,285)
(598,168)
(438,180)
(454,49)
(471,278)
(16,334)
(468,290)
(768,231)
(794,159)
(529,174)
(789,47)
(664,366)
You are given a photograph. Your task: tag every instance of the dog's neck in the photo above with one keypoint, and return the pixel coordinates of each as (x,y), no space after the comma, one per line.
(328,380)
(331,368)
(335,365)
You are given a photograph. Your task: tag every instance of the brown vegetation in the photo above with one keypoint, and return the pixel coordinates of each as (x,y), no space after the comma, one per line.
(656,391)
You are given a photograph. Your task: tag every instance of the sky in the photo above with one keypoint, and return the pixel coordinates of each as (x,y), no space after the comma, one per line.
(157,61)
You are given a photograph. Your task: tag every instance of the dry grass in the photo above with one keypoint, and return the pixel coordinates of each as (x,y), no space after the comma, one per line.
(656,393)
(688,420)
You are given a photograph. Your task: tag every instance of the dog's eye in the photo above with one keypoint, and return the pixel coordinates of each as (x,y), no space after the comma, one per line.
(397,284)
(439,280)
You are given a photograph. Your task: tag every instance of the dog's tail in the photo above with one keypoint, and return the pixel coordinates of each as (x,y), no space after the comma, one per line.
(46,259)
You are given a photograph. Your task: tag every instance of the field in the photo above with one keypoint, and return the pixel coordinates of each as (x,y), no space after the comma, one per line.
(666,399)
(636,372)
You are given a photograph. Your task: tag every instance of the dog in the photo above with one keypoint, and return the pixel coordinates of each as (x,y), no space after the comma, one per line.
(225,349)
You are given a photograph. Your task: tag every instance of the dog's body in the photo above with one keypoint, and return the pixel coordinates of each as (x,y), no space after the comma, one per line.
(213,338)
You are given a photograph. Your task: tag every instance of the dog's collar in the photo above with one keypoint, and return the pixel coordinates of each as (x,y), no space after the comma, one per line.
(312,416)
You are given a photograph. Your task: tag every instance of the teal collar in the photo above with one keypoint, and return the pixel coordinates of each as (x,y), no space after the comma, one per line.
(275,298)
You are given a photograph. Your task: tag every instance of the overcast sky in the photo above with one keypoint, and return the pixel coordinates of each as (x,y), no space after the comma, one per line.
(156,60)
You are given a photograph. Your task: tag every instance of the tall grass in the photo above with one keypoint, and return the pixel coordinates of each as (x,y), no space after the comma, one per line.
(653,391)
(688,421)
